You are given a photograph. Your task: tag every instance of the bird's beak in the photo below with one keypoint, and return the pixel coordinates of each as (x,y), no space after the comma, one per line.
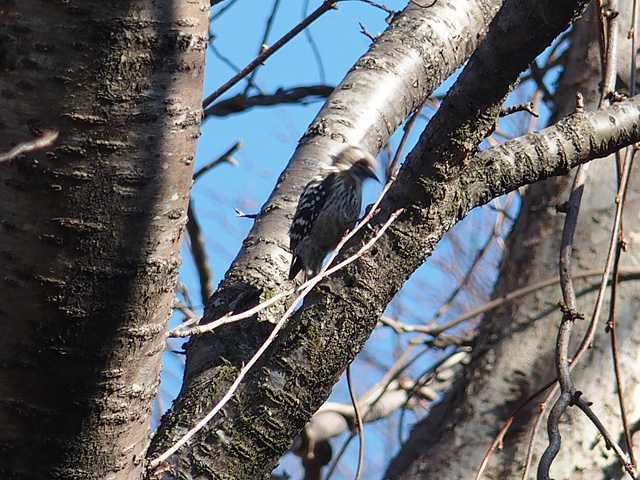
(374,176)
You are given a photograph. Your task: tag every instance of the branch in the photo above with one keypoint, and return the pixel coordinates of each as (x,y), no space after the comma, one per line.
(435,330)
(46,140)
(199,253)
(242,102)
(274,333)
(575,140)
(225,157)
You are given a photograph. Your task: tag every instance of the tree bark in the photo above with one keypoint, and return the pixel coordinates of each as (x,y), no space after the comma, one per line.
(514,352)
(90,229)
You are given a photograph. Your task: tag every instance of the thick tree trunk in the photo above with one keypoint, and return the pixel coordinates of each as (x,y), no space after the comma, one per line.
(90,229)
(514,354)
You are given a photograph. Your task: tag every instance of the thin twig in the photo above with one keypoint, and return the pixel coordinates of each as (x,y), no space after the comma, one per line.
(381,7)
(190,315)
(609,21)
(242,102)
(453,359)
(521,107)
(377,394)
(312,44)
(272,336)
(391,376)
(536,428)
(325,7)
(611,327)
(356,410)
(218,54)
(366,33)
(609,441)
(437,330)
(407,130)
(265,38)
(200,257)
(343,449)
(633,35)
(225,157)
(461,284)
(215,16)
(45,141)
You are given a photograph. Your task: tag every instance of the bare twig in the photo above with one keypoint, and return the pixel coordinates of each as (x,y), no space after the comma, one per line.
(503,431)
(521,107)
(436,330)
(451,361)
(200,258)
(381,7)
(620,246)
(607,20)
(45,141)
(537,75)
(356,410)
(366,33)
(325,7)
(217,53)
(225,157)
(633,35)
(408,126)
(272,336)
(338,457)
(461,285)
(220,12)
(536,427)
(312,44)
(241,214)
(611,327)
(242,102)
(190,315)
(196,238)
(609,441)
(265,39)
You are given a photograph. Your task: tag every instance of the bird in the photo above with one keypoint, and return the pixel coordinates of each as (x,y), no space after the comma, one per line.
(329,205)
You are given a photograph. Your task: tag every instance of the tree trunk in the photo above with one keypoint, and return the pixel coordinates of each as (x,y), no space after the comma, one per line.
(90,229)
(514,352)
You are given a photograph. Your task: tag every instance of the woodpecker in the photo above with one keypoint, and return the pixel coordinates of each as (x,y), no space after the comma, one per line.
(330,204)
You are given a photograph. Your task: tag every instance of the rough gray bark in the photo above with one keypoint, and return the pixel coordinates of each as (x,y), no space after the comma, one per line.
(90,229)
(515,344)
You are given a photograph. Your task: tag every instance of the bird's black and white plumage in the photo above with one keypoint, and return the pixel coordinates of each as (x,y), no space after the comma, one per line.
(330,204)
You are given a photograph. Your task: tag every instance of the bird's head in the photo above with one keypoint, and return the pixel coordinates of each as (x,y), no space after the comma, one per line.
(360,163)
